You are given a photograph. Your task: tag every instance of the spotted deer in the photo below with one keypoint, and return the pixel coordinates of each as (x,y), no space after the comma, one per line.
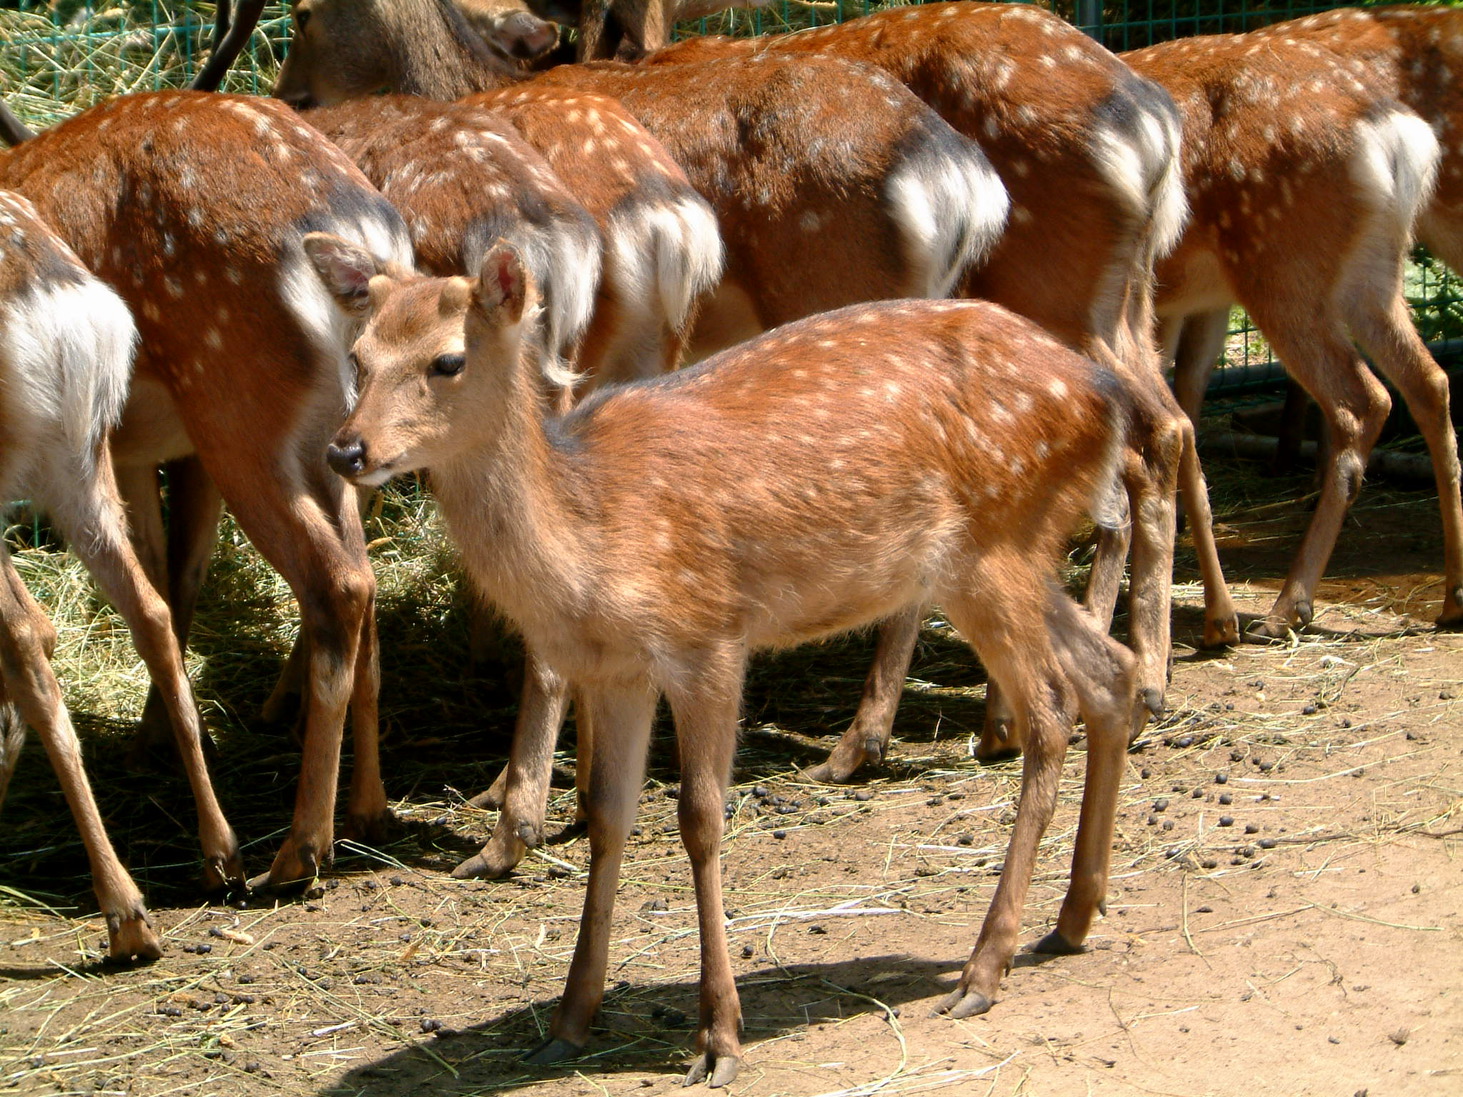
(66,344)
(831,183)
(192,208)
(1304,216)
(825,475)
(1089,154)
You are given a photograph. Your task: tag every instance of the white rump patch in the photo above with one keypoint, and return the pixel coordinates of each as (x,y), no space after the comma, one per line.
(952,208)
(1148,174)
(668,254)
(67,351)
(565,264)
(1396,162)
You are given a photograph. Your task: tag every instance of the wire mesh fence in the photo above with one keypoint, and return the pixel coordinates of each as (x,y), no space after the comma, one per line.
(60,56)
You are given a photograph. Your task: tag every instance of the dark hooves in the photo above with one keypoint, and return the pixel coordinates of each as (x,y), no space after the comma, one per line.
(551,1051)
(478,867)
(961,1003)
(715,1071)
(1054,944)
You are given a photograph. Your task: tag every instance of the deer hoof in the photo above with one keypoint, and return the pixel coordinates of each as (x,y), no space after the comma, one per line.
(528,834)
(961,1003)
(1221,633)
(1054,944)
(224,873)
(715,1070)
(130,939)
(1452,615)
(293,871)
(553,1050)
(485,866)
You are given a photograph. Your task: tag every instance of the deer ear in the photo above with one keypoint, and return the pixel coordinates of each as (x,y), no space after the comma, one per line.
(345,268)
(500,287)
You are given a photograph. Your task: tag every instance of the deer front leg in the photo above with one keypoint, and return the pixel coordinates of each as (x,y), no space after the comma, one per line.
(525,780)
(30,684)
(622,717)
(867,738)
(1103,675)
(1011,637)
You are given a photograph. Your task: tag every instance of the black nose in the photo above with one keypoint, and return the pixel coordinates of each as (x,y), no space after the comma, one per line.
(349,460)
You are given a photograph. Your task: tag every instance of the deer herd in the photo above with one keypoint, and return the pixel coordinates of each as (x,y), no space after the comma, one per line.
(930,264)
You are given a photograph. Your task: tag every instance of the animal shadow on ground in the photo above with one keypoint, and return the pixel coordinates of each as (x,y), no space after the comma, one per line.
(651,1029)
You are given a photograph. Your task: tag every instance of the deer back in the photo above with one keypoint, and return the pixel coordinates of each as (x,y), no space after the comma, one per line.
(1415,55)
(875,194)
(1085,148)
(1292,166)
(192,207)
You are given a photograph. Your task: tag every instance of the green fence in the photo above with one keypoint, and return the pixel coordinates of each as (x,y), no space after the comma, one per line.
(59,56)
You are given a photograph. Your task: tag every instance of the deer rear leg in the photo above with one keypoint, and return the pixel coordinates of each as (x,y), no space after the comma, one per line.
(867,738)
(32,688)
(1015,641)
(1194,345)
(306,523)
(706,730)
(525,780)
(194,512)
(622,717)
(1387,332)
(1355,406)
(91,514)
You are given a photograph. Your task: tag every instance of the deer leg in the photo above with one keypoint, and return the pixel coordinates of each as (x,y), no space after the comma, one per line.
(1151,478)
(622,715)
(194,511)
(1194,346)
(367,815)
(706,729)
(90,512)
(525,780)
(31,687)
(1387,333)
(867,738)
(1011,637)
(306,523)
(1101,674)
(1355,406)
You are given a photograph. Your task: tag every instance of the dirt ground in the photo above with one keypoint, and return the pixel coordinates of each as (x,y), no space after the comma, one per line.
(1285,914)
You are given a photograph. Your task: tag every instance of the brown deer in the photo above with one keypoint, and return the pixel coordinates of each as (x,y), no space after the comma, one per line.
(1088,153)
(192,208)
(663,250)
(1305,219)
(826,475)
(831,183)
(66,344)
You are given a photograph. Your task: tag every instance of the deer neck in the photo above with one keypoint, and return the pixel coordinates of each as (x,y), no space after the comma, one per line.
(448,59)
(516,508)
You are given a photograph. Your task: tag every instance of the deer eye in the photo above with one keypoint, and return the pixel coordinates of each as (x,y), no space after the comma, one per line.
(447,365)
